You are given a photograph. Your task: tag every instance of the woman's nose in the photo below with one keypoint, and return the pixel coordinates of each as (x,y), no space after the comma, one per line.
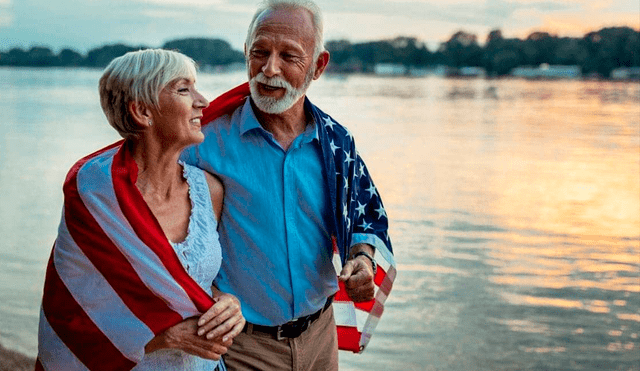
(200,101)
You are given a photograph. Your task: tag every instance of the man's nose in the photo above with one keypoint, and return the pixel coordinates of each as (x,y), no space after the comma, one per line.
(272,67)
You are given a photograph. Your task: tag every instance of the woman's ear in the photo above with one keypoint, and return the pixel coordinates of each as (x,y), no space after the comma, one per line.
(140,113)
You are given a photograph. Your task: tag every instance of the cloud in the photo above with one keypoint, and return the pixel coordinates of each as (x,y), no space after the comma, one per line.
(538,2)
(578,24)
(185,3)
(6,19)
(570,24)
(366,27)
(167,14)
(6,13)
(198,5)
(599,5)
(85,24)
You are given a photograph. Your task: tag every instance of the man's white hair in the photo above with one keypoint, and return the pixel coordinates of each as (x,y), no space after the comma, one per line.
(310,6)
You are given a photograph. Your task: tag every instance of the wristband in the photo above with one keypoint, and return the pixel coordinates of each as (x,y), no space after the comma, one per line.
(374,265)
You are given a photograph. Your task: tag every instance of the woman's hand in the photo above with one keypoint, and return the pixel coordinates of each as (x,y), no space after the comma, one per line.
(223,320)
(183,336)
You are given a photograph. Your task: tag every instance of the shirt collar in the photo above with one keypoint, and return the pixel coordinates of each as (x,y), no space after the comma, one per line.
(249,121)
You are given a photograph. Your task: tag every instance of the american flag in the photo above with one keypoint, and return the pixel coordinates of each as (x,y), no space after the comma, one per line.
(113,281)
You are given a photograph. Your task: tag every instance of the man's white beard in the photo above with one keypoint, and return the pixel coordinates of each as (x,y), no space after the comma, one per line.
(273,105)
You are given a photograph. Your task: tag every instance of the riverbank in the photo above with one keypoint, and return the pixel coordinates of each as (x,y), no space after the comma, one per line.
(13,361)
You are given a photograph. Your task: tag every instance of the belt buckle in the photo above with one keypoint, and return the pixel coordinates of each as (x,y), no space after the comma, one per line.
(292,329)
(279,336)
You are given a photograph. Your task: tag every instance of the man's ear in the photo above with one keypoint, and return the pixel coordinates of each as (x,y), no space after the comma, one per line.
(321,64)
(140,113)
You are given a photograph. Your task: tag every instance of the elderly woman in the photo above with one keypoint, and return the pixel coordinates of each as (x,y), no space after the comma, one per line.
(129,282)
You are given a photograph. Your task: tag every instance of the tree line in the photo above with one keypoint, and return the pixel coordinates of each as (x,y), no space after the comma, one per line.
(596,53)
(212,52)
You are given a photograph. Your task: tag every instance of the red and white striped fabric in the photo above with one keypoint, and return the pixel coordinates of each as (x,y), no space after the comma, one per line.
(113,280)
(356,321)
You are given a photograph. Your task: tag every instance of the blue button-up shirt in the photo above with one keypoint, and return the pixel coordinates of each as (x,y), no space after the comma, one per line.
(274,230)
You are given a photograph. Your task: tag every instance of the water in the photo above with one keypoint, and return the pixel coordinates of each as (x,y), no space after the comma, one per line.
(514,208)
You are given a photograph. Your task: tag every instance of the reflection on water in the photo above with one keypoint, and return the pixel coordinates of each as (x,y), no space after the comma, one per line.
(515,211)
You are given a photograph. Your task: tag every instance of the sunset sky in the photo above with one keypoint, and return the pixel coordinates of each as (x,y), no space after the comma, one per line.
(85,24)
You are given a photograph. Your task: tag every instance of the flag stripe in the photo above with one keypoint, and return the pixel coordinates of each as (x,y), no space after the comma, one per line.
(108,259)
(66,317)
(146,226)
(387,283)
(361,318)
(348,338)
(344,314)
(106,292)
(56,356)
(103,206)
(93,293)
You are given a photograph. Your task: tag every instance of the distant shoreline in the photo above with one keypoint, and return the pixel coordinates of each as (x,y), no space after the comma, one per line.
(381,75)
(600,54)
(11,360)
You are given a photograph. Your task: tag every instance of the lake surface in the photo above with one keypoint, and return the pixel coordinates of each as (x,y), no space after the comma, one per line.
(514,209)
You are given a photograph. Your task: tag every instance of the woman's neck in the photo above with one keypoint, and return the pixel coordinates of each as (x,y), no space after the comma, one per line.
(159,173)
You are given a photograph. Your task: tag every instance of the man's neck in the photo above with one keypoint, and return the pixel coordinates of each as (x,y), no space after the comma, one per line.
(285,127)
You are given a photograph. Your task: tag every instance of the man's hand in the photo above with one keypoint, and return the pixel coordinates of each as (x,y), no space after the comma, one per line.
(357,275)
(224,319)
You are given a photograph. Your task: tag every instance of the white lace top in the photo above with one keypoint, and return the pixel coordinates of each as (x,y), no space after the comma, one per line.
(201,255)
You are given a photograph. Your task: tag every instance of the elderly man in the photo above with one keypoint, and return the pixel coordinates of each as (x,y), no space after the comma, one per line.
(295,192)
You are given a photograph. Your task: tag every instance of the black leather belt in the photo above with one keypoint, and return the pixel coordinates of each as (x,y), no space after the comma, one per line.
(291,329)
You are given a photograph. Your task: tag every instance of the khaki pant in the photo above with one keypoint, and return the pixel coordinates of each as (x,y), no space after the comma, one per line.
(316,349)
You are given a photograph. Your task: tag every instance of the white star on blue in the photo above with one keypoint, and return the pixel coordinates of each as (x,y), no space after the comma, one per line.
(333,147)
(329,124)
(372,190)
(360,209)
(361,212)
(348,158)
(365,226)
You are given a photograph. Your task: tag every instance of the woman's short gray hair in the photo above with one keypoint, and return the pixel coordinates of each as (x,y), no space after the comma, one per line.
(139,76)
(308,5)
